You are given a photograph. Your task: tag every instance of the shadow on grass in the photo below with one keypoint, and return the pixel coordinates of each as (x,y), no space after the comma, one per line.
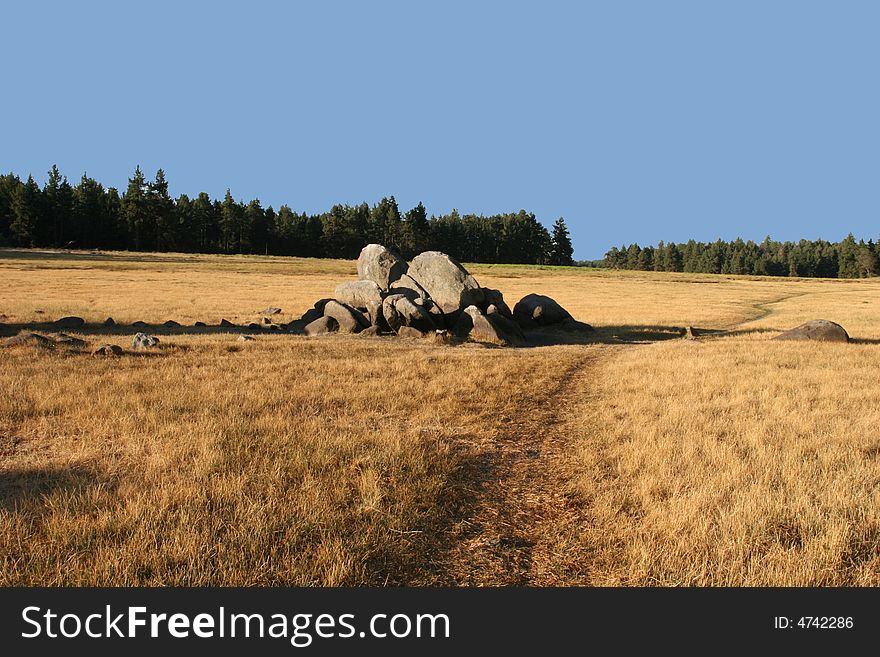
(25,489)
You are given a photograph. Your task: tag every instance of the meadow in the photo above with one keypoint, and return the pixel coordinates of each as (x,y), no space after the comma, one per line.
(637,458)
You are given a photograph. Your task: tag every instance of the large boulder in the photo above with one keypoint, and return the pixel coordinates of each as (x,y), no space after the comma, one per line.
(359,294)
(350,320)
(537,309)
(380,265)
(399,310)
(408,286)
(473,324)
(446,282)
(820,330)
(322,326)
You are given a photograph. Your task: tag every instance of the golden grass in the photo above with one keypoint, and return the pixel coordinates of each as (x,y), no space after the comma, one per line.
(344,460)
(733,462)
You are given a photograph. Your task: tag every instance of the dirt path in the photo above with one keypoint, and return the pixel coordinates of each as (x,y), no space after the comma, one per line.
(518,519)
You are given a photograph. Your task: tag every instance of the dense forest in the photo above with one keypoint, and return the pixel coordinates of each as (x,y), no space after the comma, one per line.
(845,259)
(146,218)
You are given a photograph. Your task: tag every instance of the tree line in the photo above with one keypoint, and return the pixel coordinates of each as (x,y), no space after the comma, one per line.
(819,258)
(146,218)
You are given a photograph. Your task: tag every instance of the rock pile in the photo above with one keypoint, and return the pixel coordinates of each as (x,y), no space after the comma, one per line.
(431,295)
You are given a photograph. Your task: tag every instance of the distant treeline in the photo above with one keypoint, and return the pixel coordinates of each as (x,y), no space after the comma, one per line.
(845,259)
(146,218)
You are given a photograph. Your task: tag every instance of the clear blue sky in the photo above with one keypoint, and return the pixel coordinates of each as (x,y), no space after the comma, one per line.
(637,121)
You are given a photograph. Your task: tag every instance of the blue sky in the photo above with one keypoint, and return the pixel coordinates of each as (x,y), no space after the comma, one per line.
(636,121)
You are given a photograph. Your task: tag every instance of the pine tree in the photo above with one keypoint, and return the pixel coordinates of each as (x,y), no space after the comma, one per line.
(561,249)
(161,211)
(26,210)
(135,209)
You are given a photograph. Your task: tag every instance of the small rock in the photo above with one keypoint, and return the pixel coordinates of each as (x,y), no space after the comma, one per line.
(370,332)
(140,324)
(200,324)
(170,324)
(109,322)
(409,332)
(322,326)
(144,341)
(271,310)
(254,326)
(266,320)
(689,333)
(226,322)
(69,341)
(245,338)
(315,311)
(108,350)
(70,322)
(27,338)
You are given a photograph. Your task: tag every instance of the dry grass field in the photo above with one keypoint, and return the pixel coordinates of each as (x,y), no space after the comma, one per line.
(635,459)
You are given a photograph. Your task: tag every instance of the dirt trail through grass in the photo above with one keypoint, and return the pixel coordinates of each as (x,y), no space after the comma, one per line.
(518,515)
(520,520)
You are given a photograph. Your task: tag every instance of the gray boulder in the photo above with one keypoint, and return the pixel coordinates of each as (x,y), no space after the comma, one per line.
(322,326)
(408,286)
(370,332)
(473,324)
(446,282)
(144,341)
(380,265)
(69,322)
(537,309)
(363,295)
(820,330)
(398,310)
(350,320)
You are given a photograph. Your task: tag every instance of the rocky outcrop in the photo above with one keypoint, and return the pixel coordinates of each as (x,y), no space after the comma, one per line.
(432,296)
